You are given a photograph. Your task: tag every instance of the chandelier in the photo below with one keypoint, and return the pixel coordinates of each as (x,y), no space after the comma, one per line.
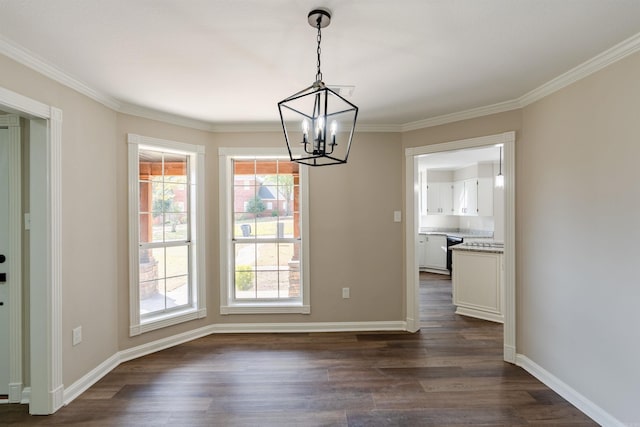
(317,119)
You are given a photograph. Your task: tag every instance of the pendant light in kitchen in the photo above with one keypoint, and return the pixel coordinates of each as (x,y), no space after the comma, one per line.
(317,119)
(500,177)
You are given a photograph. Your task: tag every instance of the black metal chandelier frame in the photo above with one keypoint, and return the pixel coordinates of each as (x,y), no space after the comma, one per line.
(319,137)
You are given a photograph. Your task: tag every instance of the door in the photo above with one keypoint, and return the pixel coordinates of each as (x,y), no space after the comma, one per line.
(4,263)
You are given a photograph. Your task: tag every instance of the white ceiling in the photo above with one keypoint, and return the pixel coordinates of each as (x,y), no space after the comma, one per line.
(231,61)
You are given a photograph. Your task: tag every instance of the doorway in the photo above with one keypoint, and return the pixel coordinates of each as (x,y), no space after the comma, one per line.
(412,156)
(44,394)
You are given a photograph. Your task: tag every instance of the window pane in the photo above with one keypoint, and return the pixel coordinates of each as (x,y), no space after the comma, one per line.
(176,227)
(245,256)
(175,196)
(267,284)
(244,167)
(286,291)
(159,198)
(145,196)
(145,227)
(243,198)
(266,227)
(267,256)
(243,226)
(177,291)
(286,254)
(177,261)
(175,167)
(151,264)
(244,281)
(151,299)
(285,227)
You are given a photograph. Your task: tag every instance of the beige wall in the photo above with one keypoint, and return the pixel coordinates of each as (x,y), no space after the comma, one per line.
(353,239)
(578,221)
(89,223)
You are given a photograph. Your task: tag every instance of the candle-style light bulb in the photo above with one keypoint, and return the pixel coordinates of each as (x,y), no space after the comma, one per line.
(305,131)
(334,129)
(319,127)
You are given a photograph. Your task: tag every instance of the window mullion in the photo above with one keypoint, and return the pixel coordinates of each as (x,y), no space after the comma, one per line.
(173,243)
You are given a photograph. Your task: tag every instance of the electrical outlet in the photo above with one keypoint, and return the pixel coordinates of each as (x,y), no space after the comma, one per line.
(345,293)
(77,335)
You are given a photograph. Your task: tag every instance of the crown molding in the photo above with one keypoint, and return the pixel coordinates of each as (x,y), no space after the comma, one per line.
(597,63)
(44,67)
(608,57)
(367,127)
(500,107)
(174,119)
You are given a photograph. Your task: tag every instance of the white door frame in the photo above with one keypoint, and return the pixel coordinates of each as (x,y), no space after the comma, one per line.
(45,394)
(412,229)
(14,263)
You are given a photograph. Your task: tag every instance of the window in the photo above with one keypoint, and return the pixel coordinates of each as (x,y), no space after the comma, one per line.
(263,227)
(165,233)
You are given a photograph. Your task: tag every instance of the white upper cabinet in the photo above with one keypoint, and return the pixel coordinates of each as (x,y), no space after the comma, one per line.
(439,198)
(473,197)
(462,192)
(465,197)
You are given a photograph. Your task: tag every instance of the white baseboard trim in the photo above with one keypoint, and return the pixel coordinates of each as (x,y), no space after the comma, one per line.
(15,392)
(308,327)
(509,353)
(26,396)
(589,408)
(80,386)
(57,398)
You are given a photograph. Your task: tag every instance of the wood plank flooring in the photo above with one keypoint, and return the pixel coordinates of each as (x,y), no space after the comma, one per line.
(449,374)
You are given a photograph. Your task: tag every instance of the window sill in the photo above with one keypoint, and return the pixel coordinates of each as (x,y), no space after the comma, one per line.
(162,321)
(265,309)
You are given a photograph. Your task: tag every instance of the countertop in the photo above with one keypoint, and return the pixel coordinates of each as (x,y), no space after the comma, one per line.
(466,234)
(486,247)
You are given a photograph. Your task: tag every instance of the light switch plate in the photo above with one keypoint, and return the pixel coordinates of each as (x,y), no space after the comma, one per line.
(397,216)
(77,335)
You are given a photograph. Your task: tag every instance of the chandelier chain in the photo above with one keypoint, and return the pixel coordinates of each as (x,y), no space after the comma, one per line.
(319,73)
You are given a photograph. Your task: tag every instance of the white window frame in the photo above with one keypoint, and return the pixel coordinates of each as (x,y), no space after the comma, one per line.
(197,309)
(227,303)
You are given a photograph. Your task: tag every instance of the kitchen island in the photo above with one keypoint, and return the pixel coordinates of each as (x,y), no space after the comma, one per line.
(478,280)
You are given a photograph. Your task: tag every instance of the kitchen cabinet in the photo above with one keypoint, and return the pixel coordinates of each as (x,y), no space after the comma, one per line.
(478,284)
(465,197)
(439,198)
(422,250)
(435,256)
(473,197)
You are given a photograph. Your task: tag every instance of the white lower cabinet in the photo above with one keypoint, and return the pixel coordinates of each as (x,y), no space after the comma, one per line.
(422,250)
(432,252)
(478,284)
(436,252)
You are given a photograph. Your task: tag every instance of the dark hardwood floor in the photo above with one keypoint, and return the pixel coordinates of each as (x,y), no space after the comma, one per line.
(449,374)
